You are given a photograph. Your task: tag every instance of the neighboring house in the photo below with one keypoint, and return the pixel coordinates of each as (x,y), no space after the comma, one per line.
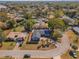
(45,32)
(16,35)
(15,16)
(68,20)
(41,25)
(76,30)
(11,15)
(3,7)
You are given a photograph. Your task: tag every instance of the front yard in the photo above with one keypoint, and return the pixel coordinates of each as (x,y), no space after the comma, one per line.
(8,46)
(34,47)
(7,57)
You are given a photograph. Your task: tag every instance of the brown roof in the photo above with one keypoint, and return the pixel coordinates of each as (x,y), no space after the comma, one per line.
(40,25)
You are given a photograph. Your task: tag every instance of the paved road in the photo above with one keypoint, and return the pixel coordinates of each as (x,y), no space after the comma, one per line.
(62,48)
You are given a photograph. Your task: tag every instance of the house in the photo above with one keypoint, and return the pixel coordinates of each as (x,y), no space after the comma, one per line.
(16,35)
(68,20)
(38,33)
(3,7)
(45,32)
(41,25)
(76,30)
(35,37)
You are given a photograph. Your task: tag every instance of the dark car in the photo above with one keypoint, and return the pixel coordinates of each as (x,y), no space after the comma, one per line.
(73,54)
(26,56)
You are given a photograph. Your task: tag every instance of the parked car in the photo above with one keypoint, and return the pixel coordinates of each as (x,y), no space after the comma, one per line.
(73,54)
(26,56)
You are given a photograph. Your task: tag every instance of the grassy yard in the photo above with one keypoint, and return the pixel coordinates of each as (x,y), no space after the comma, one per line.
(7,57)
(8,46)
(67,56)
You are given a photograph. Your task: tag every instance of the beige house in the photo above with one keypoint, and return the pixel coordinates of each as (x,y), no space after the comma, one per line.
(18,34)
(40,25)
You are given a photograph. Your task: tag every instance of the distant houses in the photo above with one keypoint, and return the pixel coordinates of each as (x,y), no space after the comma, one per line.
(3,7)
(41,25)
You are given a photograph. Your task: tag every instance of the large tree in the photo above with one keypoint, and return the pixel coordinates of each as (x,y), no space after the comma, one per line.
(56,23)
(9,24)
(29,24)
(57,34)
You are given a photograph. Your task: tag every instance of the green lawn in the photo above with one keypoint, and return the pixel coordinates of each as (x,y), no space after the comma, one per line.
(8,46)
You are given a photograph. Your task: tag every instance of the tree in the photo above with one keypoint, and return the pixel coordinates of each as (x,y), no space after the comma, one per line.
(3,17)
(56,23)
(29,24)
(9,24)
(58,13)
(27,15)
(74,46)
(57,34)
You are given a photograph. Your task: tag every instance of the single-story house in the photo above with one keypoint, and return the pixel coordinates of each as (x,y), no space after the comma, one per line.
(41,25)
(35,37)
(76,30)
(45,32)
(37,34)
(16,35)
(2,7)
(68,20)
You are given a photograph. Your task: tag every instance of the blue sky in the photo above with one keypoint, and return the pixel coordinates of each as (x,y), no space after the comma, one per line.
(39,0)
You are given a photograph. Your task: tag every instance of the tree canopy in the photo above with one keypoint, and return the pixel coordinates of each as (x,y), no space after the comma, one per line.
(56,23)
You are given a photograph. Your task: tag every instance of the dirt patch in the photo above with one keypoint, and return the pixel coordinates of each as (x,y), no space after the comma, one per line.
(34,47)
